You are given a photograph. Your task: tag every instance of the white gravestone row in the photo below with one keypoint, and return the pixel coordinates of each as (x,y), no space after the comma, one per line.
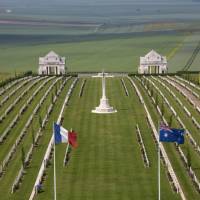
(13,83)
(22,110)
(168,165)
(22,134)
(183,85)
(82,88)
(124,86)
(196,123)
(188,82)
(191,139)
(51,143)
(175,97)
(183,158)
(188,99)
(12,105)
(15,90)
(21,172)
(142,146)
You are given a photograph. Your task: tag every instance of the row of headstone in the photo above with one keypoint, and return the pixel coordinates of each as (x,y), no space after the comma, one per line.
(165,99)
(196,123)
(24,107)
(185,95)
(20,174)
(184,85)
(189,169)
(50,147)
(183,157)
(191,139)
(142,146)
(170,175)
(82,88)
(124,86)
(11,84)
(23,132)
(137,91)
(12,105)
(174,181)
(172,93)
(16,89)
(188,82)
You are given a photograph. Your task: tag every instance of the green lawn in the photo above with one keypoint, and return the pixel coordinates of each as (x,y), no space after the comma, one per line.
(108,162)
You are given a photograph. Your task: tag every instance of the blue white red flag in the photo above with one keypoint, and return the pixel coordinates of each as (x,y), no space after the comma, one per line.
(60,134)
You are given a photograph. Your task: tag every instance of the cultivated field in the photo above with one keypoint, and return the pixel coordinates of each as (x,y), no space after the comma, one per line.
(93,53)
(114,160)
(98,34)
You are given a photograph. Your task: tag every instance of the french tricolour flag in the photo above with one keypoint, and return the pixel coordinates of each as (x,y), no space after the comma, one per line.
(60,134)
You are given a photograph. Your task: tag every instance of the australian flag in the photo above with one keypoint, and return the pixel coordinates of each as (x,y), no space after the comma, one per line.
(168,134)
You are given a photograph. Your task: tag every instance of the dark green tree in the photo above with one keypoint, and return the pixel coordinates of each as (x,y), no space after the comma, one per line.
(33,136)
(156,99)
(171,120)
(40,120)
(23,157)
(162,108)
(188,157)
(52,97)
(56,89)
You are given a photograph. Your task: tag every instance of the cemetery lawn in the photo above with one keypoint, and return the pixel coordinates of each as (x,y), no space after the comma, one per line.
(108,163)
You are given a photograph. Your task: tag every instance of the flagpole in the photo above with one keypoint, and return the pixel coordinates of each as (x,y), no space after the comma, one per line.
(54,168)
(158,163)
(158,170)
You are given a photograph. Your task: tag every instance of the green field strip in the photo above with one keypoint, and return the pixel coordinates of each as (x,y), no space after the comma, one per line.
(98,168)
(185,52)
(19,126)
(12,88)
(185,101)
(8,119)
(120,53)
(142,122)
(28,179)
(195,164)
(12,99)
(173,155)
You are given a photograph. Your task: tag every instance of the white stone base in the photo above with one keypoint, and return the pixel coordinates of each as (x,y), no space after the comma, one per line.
(104,107)
(100,75)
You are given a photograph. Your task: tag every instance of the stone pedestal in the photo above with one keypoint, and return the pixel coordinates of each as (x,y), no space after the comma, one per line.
(104,107)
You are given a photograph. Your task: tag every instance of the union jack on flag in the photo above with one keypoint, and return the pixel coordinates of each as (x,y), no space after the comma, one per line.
(163,126)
